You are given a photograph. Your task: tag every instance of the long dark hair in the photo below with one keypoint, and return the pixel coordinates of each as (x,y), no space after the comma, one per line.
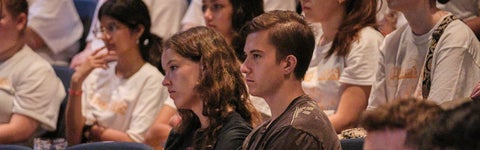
(358,14)
(134,13)
(221,84)
(243,12)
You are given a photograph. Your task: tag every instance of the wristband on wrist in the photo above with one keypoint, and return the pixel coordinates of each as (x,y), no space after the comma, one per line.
(74,93)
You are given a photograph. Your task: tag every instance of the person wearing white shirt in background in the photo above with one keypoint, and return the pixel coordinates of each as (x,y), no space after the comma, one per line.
(165,16)
(455,61)
(116,95)
(467,10)
(343,64)
(30,94)
(54,30)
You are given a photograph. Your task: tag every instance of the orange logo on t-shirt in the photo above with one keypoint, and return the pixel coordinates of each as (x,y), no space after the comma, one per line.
(329,74)
(398,73)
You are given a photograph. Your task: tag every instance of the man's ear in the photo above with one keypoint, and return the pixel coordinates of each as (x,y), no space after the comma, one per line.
(290,64)
(21,21)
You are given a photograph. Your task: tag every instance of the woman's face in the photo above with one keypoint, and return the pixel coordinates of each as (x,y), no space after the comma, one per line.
(117,36)
(218,15)
(321,10)
(181,77)
(10,29)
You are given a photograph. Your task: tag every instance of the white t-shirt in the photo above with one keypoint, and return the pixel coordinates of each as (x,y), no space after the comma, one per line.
(29,86)
(463,9)
(325,76)
(270,5)
(455,65)
(127,105)
(58,24)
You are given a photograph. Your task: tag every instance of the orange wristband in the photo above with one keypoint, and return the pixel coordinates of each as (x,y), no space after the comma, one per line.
(74,93)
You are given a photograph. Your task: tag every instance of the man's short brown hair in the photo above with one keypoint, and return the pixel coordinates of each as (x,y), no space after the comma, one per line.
(289,33)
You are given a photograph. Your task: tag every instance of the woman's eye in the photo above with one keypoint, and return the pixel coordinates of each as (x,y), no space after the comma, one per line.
(217,7)
(173,67)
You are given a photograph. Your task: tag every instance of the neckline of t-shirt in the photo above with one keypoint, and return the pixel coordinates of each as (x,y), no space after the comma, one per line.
(421,39)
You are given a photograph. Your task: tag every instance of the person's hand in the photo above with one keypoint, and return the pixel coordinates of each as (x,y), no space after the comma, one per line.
(81,57)
(96,132)
(175,120)
(98,59)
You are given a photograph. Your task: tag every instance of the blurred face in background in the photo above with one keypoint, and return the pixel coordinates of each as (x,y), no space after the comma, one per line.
(117,36)
(321,10)
(218,15)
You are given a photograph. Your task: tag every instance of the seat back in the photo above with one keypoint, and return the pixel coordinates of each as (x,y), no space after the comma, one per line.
(352,144)
(65,74)
(13,147)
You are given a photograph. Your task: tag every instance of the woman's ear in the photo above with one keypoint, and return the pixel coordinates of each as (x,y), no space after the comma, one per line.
(21,22)
(290,64)
(139,31)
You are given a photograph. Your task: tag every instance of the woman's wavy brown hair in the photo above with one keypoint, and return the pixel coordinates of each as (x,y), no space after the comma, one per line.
(221,84)
(358,15)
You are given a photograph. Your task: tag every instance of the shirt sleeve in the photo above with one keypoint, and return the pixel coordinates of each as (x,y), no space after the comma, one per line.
(149,103)
(39,95)
(56,22)
(379,85)
(194,16)
(455,68)
(361,62)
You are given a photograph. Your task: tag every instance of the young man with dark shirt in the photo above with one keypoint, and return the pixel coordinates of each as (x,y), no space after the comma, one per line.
(278,48)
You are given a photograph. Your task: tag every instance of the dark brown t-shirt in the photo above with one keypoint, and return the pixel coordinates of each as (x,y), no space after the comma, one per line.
(303,125)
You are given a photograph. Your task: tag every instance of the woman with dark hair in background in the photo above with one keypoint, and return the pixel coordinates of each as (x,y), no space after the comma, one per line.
(228,17)
(116,95)
(203,78)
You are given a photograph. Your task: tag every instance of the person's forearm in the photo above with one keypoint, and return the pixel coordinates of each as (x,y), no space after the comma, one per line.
(19,129)
(353,102)
(109,134)
(73,117)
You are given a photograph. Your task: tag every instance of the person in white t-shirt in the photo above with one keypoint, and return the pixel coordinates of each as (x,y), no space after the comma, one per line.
(54,30)
(30,92)
(343,65)
(467,10)
(455,64)
(117,100)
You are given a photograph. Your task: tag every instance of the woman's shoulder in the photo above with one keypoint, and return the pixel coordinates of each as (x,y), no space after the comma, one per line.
(370,33)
